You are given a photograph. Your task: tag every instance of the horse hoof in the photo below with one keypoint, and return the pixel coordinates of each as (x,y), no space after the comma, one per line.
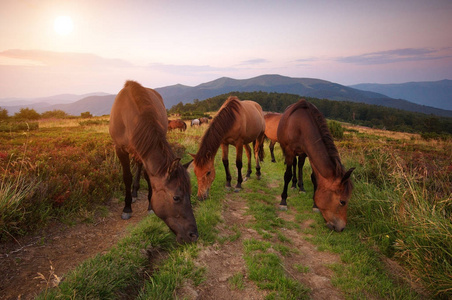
(302,192)
(283,207)
(315,209)
(237,190)
(246,179)
(126,216)
(258,177)
(273,161)
(228,188)
(134,199)
(150,212)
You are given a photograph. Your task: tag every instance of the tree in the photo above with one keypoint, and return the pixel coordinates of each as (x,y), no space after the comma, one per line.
(27,114)
(58,114)
(86,115)
(3,114)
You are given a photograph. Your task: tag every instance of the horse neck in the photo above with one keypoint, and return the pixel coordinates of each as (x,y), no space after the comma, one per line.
(212,139)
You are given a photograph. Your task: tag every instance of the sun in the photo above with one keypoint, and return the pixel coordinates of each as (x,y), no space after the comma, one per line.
(63,25)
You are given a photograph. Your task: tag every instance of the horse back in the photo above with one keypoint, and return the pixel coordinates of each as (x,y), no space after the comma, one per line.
(271,126)
(132,102)
(253,123)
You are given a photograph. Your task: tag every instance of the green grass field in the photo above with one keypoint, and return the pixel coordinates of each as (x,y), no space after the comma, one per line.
(400,210)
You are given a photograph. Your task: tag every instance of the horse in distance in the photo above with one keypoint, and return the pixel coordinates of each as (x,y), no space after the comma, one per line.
(138,127)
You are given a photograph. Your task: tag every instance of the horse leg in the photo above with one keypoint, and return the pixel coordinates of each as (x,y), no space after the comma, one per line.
(224,150)
(259,153)
(272,147)
(287,178)
(248,155)
(294,173)
(127,178)
(136,182)
(314,182)
(149,192)
(301,161)
(238,163)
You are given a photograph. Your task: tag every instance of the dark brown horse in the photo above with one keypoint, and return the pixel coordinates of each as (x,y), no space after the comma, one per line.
(271,127)
(303,129)
(237,123)
(177,124)
(203,120)
(138,126)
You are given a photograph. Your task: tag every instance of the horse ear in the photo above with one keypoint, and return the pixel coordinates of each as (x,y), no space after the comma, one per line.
(192,155)
(173,166)
(347,175)
(186,165)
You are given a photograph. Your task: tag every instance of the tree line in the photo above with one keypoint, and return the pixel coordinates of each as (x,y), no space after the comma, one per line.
(374,116)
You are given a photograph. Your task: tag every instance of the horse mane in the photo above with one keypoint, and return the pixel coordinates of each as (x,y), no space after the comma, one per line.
(218,128)
(325,134)
(149,136)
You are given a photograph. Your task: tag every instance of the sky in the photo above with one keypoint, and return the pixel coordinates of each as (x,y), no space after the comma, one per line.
(190,42)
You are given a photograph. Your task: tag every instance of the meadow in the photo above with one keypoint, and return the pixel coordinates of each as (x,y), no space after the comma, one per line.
(400,215)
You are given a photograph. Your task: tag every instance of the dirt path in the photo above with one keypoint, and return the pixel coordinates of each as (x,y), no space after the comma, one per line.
(226,260)
(62,249)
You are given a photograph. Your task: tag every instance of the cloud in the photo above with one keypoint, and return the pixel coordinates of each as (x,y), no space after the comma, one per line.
(394,56)
(17,57)
(256,61)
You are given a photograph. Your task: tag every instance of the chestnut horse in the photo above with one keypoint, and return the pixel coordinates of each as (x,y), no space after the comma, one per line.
(138,126)
(177,124)
(237,123)
(303,129)
(271,128)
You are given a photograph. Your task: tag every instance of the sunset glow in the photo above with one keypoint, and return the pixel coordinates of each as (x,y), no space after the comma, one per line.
(63,25)
(84,46)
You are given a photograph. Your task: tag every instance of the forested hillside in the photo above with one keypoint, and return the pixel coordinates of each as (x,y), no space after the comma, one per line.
(356,113)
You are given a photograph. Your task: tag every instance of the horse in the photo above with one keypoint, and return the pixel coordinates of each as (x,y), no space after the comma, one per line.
(303,129)
(177,124)
(195,122)
(203,120)
(271,128)
(237,123)
(138,126)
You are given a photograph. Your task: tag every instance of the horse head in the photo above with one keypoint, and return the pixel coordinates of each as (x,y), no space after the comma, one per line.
(171,202)
(331,198)
(205,175)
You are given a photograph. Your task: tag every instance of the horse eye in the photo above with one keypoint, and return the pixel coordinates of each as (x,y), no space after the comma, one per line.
(208,173)
(176,198)
(343,202)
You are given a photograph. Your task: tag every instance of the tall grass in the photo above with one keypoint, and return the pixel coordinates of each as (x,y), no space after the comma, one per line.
(403,204)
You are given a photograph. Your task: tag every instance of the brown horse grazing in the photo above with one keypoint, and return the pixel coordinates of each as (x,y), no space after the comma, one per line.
(271,128)
(237,123)
(138,126)
(177,124)
(203,120)
(303,129)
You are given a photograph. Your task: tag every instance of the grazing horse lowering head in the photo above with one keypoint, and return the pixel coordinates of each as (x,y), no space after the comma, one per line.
(138,126)
(205,174)
(303,130)
(331,197)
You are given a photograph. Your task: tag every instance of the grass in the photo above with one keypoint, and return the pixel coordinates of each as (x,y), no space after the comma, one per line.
(401,209)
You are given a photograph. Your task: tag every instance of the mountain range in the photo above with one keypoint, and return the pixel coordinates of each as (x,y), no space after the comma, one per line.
(428,97)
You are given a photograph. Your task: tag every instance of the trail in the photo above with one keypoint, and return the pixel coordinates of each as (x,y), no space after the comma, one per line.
(61,248)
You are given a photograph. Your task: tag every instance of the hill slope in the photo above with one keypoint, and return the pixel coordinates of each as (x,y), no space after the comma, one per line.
(435,93)
(305,87)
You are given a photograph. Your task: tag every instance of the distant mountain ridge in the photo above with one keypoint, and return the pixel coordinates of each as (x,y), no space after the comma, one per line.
(432,93)
(305,87)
